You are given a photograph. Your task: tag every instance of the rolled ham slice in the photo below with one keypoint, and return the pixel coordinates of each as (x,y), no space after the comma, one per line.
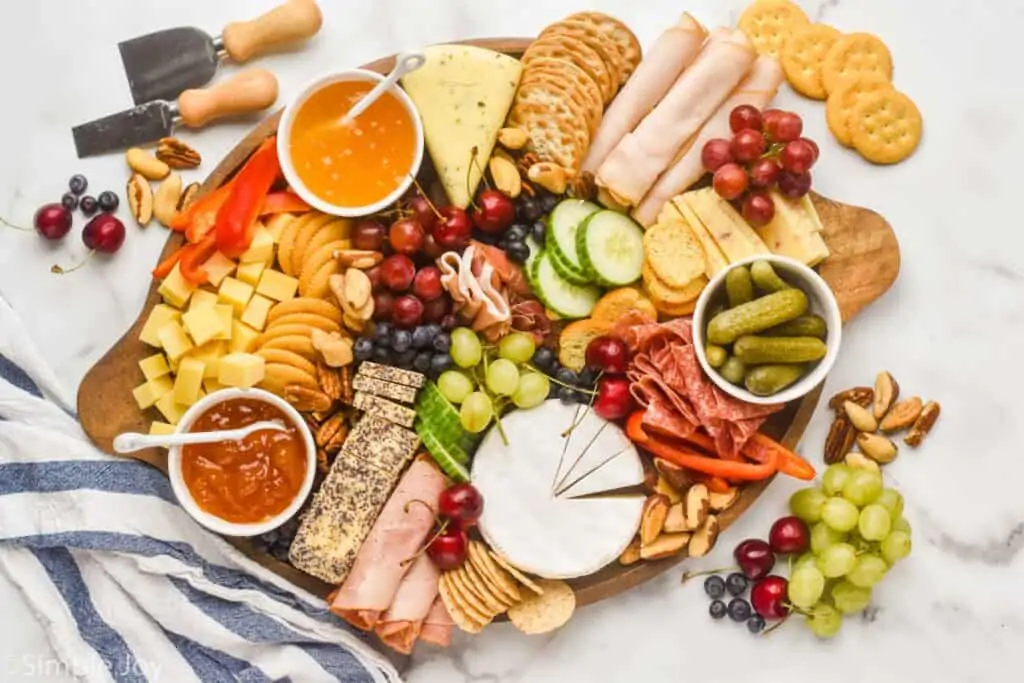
(400,625)
(437,628)
(757,89)
(671,53)
(633,167)
(396,536)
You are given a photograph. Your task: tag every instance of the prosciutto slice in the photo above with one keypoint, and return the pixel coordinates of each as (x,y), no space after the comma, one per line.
(473,286)
(437,628)
(400,625)
(633,167)
(671,53)
(757,89)
(396,536)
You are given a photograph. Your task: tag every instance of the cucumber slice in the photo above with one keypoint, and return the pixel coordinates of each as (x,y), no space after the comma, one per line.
(447,457)
(566,270)
(442,419)
(563,222)
(562,297)
(610,246)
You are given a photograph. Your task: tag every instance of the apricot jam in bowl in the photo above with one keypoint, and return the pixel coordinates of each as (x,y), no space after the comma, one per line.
(250,486)
(350,168)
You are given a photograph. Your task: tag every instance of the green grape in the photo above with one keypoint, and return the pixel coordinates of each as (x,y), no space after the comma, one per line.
(891,500)
(837,560)
(824,620)
(466,350)
(502,377)
(862,487)
(895,547)
(517,347)
(455,386)
(835,477)
(901,524)
(824,537)
(870,569)
(806,504)
(839,513)
(874,523)
(806,559)
(806,585)
(532,390)
(476,412)
(849,598)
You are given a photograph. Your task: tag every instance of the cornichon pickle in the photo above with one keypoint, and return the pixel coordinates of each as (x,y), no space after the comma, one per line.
(765,380)
(738,286)
(716,355)
(804,326)
(733,370)
(757,350)
(765,277)
(756,316)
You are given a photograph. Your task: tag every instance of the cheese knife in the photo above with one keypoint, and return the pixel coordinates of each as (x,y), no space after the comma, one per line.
(162,65)
(249,91)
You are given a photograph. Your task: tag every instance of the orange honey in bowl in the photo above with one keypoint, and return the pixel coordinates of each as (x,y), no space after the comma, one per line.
(352,163)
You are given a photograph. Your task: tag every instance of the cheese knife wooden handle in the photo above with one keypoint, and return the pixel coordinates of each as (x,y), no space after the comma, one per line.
(289,22)
(247,92)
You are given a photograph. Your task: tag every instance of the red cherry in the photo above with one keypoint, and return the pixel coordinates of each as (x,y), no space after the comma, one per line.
(427,283)
(448,549)
(794,185)
(368,234)
(797,156)
(747,145)
(788,127)
(730,181)
(52,221)
(715,154)
(453,230)
(397,272)
(494,212)
(744,117)
(789,535)
(383,304)
(814,146)
(768,597)
(764,172)
(614,401)
(608,354)
(406,236)
(462,504)
(436,310)
(755,558)
(758,208)
(104,233)
(423,211)
(407,311)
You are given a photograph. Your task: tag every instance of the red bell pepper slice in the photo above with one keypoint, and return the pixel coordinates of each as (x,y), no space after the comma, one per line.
(203,216)
(193,256)
(284,202)
(199,208)
(236,219)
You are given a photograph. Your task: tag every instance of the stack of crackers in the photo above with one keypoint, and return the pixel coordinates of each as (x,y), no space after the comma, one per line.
(486,585)
(674,265)
(570,73)
(853,72)
(286,344)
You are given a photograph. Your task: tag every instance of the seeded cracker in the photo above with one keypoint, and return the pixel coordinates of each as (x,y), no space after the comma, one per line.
(382,443)
(389,374)
(384,389)
(542,613)
(385,409)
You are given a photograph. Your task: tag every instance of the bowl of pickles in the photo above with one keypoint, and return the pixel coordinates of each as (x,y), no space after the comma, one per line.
(767,329)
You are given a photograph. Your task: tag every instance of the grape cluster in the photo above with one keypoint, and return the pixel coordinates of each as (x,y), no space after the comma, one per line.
(424,348)
(277,542)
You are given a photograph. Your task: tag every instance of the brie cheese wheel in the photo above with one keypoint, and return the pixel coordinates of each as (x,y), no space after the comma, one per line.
(557,536)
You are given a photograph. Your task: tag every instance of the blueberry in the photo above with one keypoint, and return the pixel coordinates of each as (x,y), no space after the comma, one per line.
(529,209)
(739,609)
(588,377)
(567,376)
(442,342)
(542,358)
(503,244)
(582,397)
(69,201)
(714,586)
(755,624)
(549,201)
(566,395)
(108,201)
(434,329)
(440,362)
(382,333)
(517,233)
(363,349)
(382,354)
(280,552)
(539,232)
(518,252)
(401,341)
(422,361)
(717,609)
(736,583)
(78,183)
(421,337)
(405,358)
(88,205)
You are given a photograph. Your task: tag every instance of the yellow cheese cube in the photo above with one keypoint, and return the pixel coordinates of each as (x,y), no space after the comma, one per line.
(226,313)
(175,289)
(277,224)
(158,317)
(174,340)
(242,337)
(249,273)
(210,353)
(218,267)
(210,384)
(171,411)
(241,370)
(202,297)
(276,285)
(154,366)
(158,428)
(255,314)
(174,363)
(189,381)
(148,394)
(261,249)
(236,293)
(203,324)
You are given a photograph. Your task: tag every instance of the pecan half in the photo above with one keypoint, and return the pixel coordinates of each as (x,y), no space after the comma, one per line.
(583,186)
(323,463)
(306,399)
(329,380)
(348,394)
(923,424)
(328,429)
(177,154)
(337,441)
(860,395)
(839,440)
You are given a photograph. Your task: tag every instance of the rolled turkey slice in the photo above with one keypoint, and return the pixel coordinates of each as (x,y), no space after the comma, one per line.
(671,53)
(396,536)
(401,624)
(757,89)
(634,165)
(437,627)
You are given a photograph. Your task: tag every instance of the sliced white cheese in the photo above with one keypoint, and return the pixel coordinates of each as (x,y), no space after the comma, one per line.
(463,94)
(795,230)
(731,233)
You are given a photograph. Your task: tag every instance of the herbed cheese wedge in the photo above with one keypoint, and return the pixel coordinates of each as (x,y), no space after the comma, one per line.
(794,231)
(463,94)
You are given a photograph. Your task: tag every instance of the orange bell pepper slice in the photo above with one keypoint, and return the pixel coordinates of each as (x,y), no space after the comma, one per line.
(165,267)
(761,448)
(202,210)
(284,202)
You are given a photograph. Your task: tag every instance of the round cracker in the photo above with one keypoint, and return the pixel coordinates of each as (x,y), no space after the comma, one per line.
(546,611)
(480,592)
(277,377)
(338,229)
(663,295)
(492,571)
(282,331)
(803,55)
(577,52)
(886,127)
(845,98)
(313,320)
(518,575)
(305,305)
(287,358)
(485,585)
(313,261)
(674,310)
(295,343)
(469,604)
(553,131)
(625,40)
(289,238)
(463,620)
(573,78)
(618,302)
(855,55)
(317,284)
(674,254)
(769,24)
(599,42)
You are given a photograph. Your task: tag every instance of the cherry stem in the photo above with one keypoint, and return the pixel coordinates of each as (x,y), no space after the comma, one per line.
(57,270)
(469,190)
(590,404)
(4,221)
(422,502)
(774,626)
(441,528)
(692,575)
(423,194)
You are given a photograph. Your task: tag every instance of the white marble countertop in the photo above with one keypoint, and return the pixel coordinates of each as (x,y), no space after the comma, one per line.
(949,330)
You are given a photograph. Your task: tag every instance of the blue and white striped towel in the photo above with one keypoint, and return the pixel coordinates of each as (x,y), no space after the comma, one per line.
(126,585)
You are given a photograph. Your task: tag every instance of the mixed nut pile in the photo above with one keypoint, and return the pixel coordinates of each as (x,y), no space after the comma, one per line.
(170,196)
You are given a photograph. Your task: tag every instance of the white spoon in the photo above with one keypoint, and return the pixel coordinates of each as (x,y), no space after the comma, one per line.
(129,442)
(406,62)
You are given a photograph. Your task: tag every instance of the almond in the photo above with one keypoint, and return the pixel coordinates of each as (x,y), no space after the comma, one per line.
(723,501)
(140,199)
(652,520)
(903,415)
(860,417)
(696,505)
(886,393)
(506,176)
(859,461)
(676,520)
(877,447)
(165,201)
(141,161)
(512,138)
(631,555)
(664,546)
(704,537)
(923,424)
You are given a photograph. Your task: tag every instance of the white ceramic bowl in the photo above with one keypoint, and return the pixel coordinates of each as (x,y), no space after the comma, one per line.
(213,522)
(284,129)
(822,302)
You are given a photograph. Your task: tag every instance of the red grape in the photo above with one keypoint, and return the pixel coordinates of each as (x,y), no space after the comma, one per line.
(764,172)
(397,272)
(383,302)
(608,354)
(715,154)
(794,185)
(768,597)
(814,146)
(374,275)
(788,127)
(368,234)
(745,117)
(797,156)
(407,311)
(424,212)
(769,119)
(730,181)
(436,309)
(614,401)
(427,283)
(406,236)
(431,248)
(758,208)
(747,145)
(755,558)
